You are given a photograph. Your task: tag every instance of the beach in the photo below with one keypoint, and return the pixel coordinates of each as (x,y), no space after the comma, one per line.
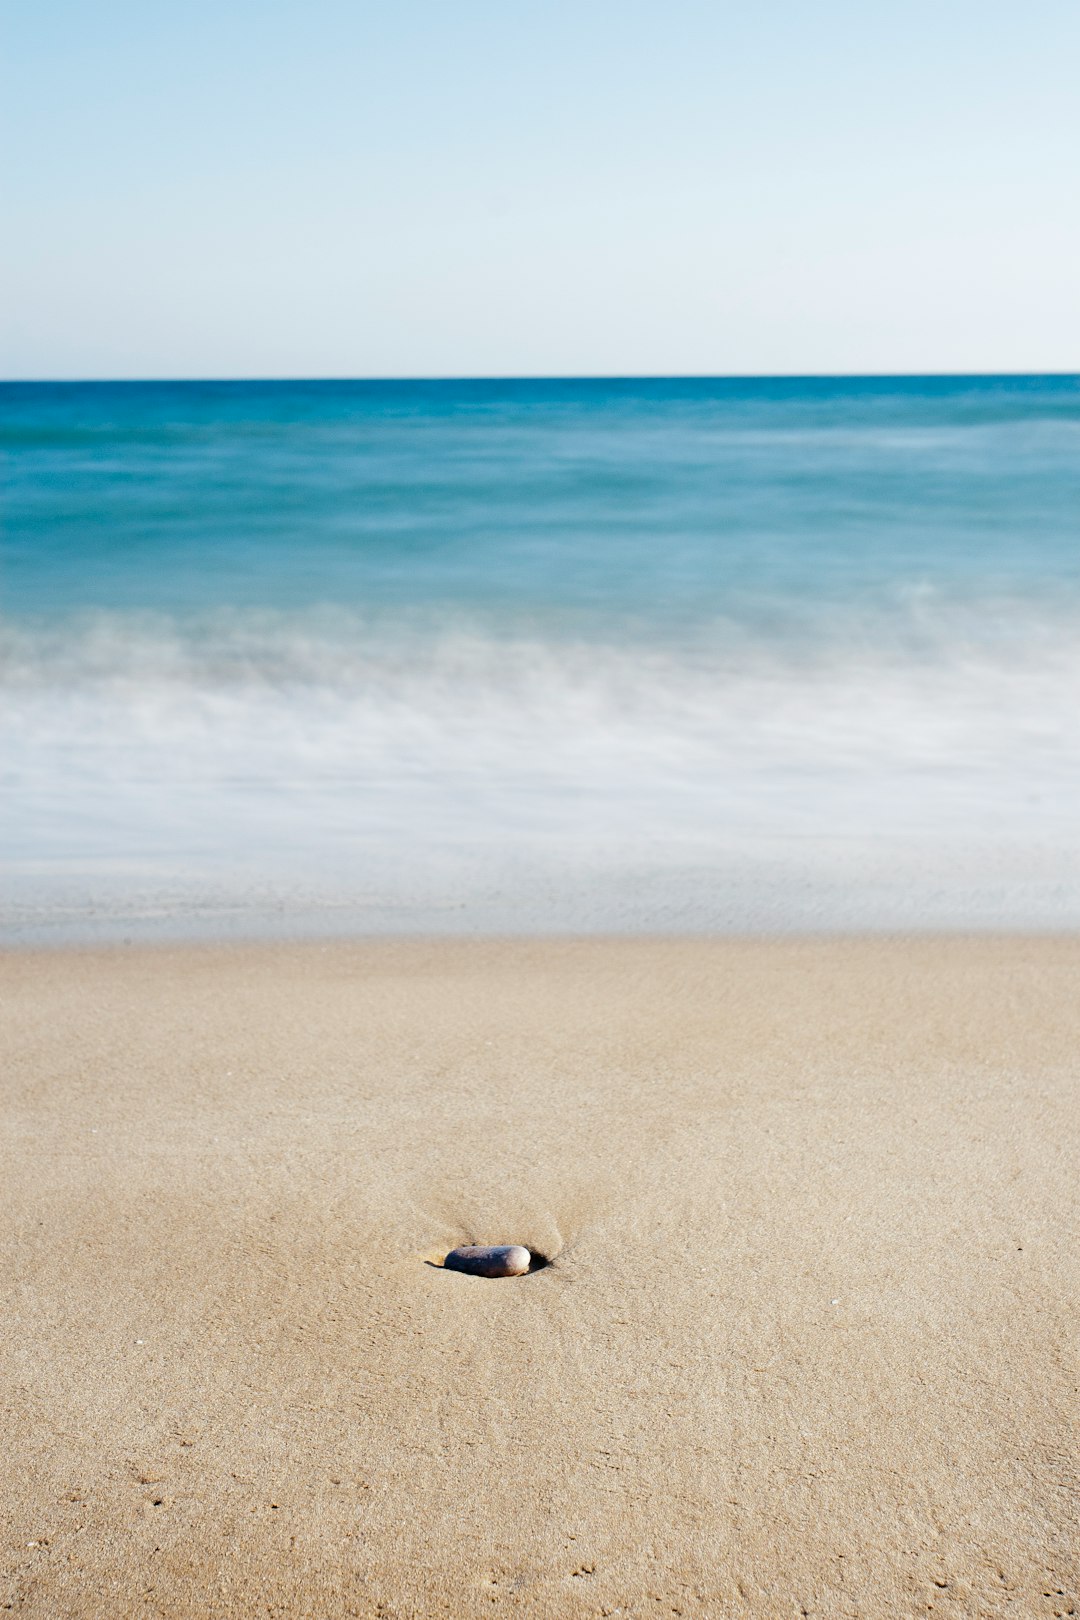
(806,1344)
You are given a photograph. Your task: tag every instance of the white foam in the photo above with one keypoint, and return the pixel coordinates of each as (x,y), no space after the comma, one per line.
(389,776)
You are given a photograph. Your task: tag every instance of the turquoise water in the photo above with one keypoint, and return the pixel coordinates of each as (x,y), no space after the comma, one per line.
(679,655)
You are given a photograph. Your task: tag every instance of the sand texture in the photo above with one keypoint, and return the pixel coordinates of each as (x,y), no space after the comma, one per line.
(807,1344)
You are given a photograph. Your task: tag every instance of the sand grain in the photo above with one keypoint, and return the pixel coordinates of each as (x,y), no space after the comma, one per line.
(807,1344)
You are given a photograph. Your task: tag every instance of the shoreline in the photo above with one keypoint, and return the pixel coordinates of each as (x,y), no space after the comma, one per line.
(806,1340)
(749,936)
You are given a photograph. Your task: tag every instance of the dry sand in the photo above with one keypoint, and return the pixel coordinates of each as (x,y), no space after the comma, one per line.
(807,1345)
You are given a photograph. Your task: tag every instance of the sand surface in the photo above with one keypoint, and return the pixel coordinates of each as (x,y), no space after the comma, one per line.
(807,1344)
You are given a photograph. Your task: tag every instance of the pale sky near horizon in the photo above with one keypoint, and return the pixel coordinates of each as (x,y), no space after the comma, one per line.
(539,187)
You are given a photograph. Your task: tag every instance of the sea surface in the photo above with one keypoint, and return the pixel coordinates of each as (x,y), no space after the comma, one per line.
(450,657)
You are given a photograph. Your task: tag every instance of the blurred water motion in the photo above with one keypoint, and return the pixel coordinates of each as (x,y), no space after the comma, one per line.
(554,655)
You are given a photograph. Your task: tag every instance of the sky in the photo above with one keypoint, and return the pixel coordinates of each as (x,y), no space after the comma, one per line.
(270,188)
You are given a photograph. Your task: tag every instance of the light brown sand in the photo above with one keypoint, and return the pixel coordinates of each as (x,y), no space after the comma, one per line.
(807,1345)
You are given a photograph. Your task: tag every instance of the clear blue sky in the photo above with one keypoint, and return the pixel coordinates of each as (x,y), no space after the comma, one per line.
(493,187)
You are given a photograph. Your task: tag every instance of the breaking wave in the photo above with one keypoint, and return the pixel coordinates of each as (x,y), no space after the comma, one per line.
(408,775)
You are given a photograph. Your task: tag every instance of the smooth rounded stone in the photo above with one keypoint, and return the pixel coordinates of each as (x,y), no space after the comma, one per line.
(489,1260)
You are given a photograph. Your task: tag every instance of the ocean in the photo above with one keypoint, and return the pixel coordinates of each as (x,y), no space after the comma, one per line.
(664,656)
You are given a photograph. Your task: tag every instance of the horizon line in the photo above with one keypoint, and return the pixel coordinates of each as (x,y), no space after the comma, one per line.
(554,377)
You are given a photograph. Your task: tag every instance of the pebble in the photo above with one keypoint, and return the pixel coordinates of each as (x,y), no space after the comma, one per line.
(489,1260)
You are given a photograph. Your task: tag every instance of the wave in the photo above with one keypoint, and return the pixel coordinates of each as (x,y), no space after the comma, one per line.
(921,767)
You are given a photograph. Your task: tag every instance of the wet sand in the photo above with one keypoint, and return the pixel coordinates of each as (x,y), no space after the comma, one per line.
(806,1345)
